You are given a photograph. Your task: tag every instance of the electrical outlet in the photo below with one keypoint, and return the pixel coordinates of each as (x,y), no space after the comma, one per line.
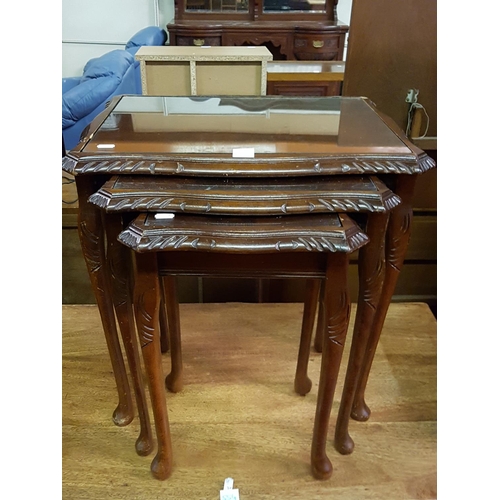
(412,96)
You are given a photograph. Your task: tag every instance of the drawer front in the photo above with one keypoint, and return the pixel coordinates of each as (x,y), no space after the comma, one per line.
(316,47)
(199,41)
(314,89)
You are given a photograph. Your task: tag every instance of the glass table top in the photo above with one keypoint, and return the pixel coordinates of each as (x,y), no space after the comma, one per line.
(242,127)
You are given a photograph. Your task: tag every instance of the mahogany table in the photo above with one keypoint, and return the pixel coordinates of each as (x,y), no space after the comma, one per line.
(250,197)
(263,138)
(274,247)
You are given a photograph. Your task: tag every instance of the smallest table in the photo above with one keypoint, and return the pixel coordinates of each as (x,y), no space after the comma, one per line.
(302,246)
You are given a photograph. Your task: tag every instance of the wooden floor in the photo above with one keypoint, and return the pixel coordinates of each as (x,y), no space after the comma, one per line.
(238,416)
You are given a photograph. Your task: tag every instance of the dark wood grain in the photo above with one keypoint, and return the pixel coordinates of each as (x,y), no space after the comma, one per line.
(146,302)
(92,240)
(312,233)
(161,260)
(119,261)
(245,196)
(299,34)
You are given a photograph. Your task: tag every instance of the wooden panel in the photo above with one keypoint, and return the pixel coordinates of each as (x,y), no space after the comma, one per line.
(425,197)
(76,287)
(172,78)
(230,290)
(417,282)
(317,88)
(392,48)
(230,78)
(423,240)
(69,201)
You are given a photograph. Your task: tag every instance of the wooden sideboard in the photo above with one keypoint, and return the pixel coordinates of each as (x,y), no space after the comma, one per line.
(305,78)
(291,30)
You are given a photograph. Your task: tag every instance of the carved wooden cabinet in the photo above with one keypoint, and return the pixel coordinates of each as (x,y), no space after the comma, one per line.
(290,29)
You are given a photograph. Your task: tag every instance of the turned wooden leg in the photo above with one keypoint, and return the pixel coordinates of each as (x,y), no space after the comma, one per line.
(91,232)
(173,381)
(320,326)
(303,383)
(337,309)
(120,270)
(147,302)
(371,269)
(398,236)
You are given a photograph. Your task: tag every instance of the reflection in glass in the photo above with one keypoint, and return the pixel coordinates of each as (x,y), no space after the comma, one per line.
(218,5)
(269,125)
(293,5)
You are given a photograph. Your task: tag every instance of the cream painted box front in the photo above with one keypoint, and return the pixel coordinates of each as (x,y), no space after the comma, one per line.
(183,71)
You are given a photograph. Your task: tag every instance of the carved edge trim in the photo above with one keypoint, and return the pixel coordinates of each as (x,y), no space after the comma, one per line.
(285,166)
(353,240)
(100,199)
(69,164)
(193,205)
(356,239)
(425,163)
(391,201)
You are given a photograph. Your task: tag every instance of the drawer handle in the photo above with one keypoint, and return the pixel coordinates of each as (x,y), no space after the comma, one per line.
(199,42)
(317,44)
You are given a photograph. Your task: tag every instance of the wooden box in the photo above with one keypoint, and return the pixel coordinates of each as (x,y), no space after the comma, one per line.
(181,71)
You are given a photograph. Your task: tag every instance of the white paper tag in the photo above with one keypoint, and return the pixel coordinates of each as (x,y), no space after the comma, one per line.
(105,146)
(164,216)
(228,493)
(243,153)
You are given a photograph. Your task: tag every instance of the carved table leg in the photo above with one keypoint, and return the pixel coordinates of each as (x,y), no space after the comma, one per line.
(164,335)
(91,232)
(337,310)
(147,302)
(320,327)
(173,381)
(303,383)
(398,236)
(371,265)
(120,269)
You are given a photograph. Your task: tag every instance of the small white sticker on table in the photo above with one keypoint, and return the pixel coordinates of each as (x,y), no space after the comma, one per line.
(243,152)
(228,493)
(164,216)
(105,146)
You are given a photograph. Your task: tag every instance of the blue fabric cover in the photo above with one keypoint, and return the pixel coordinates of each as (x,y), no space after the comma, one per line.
(101,77)
(114,73)
(152,35)
(115,62)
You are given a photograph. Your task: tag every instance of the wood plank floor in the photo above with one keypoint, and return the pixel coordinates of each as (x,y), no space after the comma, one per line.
(238,416)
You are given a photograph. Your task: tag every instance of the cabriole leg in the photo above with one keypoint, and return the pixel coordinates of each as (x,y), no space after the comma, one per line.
(147,302)
(120,270)
(303,383)
(371,269)
(337,310)
(397,239)
(174,380)
(91,232)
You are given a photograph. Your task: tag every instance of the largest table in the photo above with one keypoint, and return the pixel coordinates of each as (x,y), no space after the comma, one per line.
(264,138)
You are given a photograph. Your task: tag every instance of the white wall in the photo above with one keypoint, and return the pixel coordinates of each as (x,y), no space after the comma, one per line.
(94,27)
